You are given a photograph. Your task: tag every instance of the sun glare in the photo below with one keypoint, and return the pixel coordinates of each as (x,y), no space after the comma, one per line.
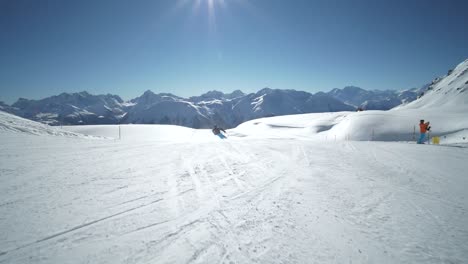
(210,5)
(211,8)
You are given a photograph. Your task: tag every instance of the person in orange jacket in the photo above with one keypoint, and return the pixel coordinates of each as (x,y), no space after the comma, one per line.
(423,128)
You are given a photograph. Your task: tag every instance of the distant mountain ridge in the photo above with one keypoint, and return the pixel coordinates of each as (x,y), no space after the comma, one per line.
(231,109)
(375,99)
(227,110)
(213,107)
(75,108)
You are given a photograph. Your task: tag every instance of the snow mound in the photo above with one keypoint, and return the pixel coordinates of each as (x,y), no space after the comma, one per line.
(401,125)
(11,123)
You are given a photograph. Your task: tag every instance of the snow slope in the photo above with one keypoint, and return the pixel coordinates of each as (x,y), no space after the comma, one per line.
(447,93)
(13,123)
(166,133)
(273,196)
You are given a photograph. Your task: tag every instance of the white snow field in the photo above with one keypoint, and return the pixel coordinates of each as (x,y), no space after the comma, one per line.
(166,194)
(317,188)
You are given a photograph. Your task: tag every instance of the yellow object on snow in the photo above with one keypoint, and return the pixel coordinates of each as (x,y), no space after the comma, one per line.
(436,140)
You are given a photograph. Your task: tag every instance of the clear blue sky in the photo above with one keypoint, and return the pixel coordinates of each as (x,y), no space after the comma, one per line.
(188,47)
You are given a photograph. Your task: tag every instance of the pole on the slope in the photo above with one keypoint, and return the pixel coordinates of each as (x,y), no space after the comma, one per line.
(414,133)
(119,132)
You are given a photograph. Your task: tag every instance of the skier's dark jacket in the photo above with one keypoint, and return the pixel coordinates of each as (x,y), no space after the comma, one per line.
(217,130)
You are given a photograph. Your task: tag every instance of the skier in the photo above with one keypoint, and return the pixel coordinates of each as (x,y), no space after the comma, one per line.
(217,131)
(423,128)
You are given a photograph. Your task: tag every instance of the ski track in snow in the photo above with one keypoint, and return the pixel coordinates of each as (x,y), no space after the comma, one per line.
(233,201)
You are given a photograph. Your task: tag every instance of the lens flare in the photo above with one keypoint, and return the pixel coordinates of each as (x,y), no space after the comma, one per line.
(212,6)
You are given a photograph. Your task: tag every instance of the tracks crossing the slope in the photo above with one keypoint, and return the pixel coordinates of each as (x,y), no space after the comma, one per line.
(245,201)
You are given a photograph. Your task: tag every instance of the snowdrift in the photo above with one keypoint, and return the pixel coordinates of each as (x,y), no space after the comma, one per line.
(14,124)
(401,125)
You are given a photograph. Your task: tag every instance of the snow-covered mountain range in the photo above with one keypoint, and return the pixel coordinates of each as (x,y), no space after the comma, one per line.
(75,108)
(214,107)
(444,103)
(376,99)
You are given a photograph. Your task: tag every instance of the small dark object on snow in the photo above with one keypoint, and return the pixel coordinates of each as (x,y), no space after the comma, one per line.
(216,130)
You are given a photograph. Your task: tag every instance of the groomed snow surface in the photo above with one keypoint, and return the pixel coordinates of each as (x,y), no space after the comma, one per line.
(295,189)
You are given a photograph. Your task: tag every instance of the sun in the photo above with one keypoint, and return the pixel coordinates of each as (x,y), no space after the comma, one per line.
(198,5)
(213,8)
